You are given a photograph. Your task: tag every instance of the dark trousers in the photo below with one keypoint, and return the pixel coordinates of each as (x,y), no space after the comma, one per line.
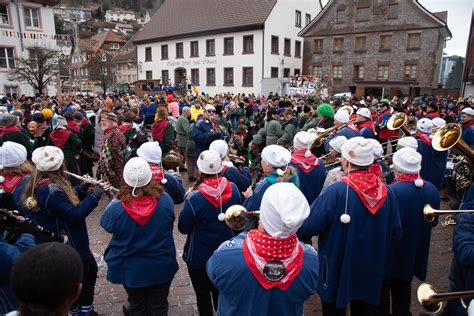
(86,297)
(149,301)
(400,293)
(206,293)
(358,308)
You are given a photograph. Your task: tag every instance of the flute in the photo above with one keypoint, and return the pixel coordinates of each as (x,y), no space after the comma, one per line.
(89,179)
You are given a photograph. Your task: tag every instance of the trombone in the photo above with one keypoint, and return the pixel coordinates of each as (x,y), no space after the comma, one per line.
(430,213)
(432,301)
(238,218)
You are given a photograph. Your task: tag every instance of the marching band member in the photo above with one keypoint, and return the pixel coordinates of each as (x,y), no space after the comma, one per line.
(334,174)
(385,134)
(364,123)
(355,219)
(410,255)
(267,271)
(151,152)
(142,255)
(433,164)
(202,220)
(379,167)
(341,117)
(275,160)
(57,207)
(13,169)
(240,177)
(467,125)
(407,141)
(323,118)
(432,111)
(205,130)
(311,170)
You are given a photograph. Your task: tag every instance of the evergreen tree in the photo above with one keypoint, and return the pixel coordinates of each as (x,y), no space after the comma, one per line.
(455,76)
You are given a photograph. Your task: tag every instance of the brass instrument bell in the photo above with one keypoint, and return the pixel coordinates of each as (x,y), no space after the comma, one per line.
(430,213)
(238,218)
(396,121)
(432,301)
(446,137)
(349,109)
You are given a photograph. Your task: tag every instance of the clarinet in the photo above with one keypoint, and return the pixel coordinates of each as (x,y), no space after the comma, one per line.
(6,215)
(258,177)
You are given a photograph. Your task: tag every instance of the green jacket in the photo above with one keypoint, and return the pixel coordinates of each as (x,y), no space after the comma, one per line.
(181,126)
(289,132)
(310,124)
(274,132)
(190,144)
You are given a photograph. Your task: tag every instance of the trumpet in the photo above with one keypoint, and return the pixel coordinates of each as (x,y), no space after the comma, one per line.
(327,132)
(237,160)
(430,213)
(432,301)
(89,179)
(238,218)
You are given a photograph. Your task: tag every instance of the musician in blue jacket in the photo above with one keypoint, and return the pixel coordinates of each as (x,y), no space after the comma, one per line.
(341,117)
(275,160)
(267,271)
(467,126)
(355,219)
(206,130)
(202,220)
(364,123)
(311,170)
(410,255)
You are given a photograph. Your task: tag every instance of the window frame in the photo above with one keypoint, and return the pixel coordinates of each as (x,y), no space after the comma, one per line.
(7,86)
(286,72)
(298,18)
(332,72)
(410,78)
(287,47)
(9,17)
(307,19)
(277,51)
(244,83)
(164,49)
(29,17)
(244,38)
(359,49)
(420,40)
(191,44)
(338,16)
(277,72)
(315,46)
(167,77)
(148,49)
(297,49)
(227,83)
(385,49)
(181,45)
(149,72)
(388,11)
(334,48)
(208,83)
(7,58)
(226,42)
(356,72)
(208,52)
(194,76)
(379,65)
(362,19)
(318,66)
(113,46)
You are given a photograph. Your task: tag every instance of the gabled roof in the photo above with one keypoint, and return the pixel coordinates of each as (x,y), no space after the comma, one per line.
(94,43)
(186,18)
(129,57)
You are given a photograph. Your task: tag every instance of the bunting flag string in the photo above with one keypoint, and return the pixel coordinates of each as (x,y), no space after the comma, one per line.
(35,35)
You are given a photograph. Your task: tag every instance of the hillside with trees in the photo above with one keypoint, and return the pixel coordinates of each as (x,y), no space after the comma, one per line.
(135,5)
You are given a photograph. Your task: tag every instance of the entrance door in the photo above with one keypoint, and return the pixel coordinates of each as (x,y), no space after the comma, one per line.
(179,76)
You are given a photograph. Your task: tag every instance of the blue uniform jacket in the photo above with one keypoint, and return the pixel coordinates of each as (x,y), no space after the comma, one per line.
(148,111)
(410,255)
(366,132)
(345,271)
(346,131)
(241,294)
(242,179)
(140,256)
(468,135)
(201,136)
(174,187)
(311,183)
(433,163)
(198,220)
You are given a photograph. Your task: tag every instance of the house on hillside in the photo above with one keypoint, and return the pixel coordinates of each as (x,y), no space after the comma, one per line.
(73,13)
(367,47)
(229,47)
(117,15)
(126,67)
(144,18)
(125,29)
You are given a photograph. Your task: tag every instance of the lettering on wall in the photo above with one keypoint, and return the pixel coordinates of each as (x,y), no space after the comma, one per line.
(189,63)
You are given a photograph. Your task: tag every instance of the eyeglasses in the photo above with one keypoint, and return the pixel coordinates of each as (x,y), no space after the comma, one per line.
(211,111)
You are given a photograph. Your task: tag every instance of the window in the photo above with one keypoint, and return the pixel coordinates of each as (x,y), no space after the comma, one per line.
(297,71)
(247,80)
(164,52)
(414,41)
(211,76)
(362,14)
(318,45)
(274,72)
(274,44)
(210,47)
(341,16)
(229,46)
(194,49)
(358,72)
(195,77)
(149,75)
(179,50)
(385,42)
(7,60)
(148,54)
(228,76)
(286,72)
(4,19)
(382,72)
(318,71)
(410,72)
(287,50)
(360,43)
(34,58)
(297,49)
(393,11)
(248,44)
(114,46)
(31,17)
(337,72)
(338,44)
(308,19)
(298,18)
(11,90)
(103,57)
(165,76)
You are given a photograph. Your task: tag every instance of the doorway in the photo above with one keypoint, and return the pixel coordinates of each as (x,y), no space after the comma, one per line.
(179,77)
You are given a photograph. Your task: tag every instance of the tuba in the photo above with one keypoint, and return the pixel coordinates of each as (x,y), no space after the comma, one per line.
(398,121)
(432,301)
(238,218)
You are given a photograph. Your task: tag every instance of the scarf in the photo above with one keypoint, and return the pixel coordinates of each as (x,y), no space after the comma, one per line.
(468,124)
(376,169)
(211,188)
(353,127)
(425,138)
(107,130)
(73,127)
(140,209)
(11,181)
(306,164)
(59,137)
(5,130)
(408,177)
(269,268)
(157,172)
(366,124)
(158,130)
(369,187)
(125,128)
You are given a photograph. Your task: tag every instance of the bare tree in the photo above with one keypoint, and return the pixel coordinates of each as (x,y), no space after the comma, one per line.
(102,71)
(39,69)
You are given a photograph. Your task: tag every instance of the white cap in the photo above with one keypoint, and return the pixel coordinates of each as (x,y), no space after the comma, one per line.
(341,116)
(61,121)
(362,102)
(220,146)
(408,141)
(150,151)
(468,110)
(365,112)
(424,125)
(12,154)
(210,107)
(337,142)
(358,151)
(48,158)
(377,148)
(303,140)
(407,160)
(137,173)
(276,156)
(438,122)
(283,210)
(210,162)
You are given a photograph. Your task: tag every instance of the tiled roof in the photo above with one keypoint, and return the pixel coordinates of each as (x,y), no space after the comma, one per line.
(129,57)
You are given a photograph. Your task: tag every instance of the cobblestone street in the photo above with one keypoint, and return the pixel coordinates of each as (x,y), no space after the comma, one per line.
(109,297)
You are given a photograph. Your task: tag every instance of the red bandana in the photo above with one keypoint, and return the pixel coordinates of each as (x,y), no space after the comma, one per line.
(376,169)
(353,127)
(211,187)
(425,138)
(73,127)
(5,130)
(125,128)
(157,172)
(158,130)
(59,137)
(11,181)
(367,124)
(369,187)
(306,164)
(140,209)
(408,178)
(260,249)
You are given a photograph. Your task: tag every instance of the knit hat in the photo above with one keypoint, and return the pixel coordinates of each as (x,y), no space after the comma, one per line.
(438,122)
(170,98)
(150,151)
(48,158)
(358,151)
(468,110)
(365,112)
(210,107)
(220,147)
(377,148)
(18,114)
(276,156)
(185,108)
(137,173)
(424,125)
(408,141)
(342,116)
(210,162)
(8,120)
(47,113)
(325,110)
(337,142)
(77,116)
(257,139)
(108,116)
(303,140)
(61,121)
(283,210)
(12,154)
(407,160)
